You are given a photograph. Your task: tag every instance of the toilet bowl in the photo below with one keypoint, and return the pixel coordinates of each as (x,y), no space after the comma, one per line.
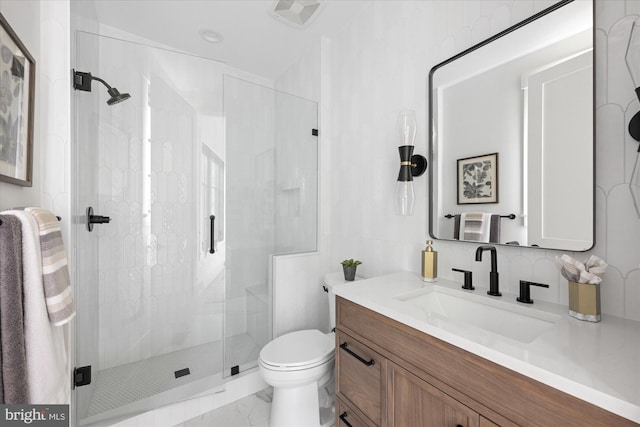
(298,365)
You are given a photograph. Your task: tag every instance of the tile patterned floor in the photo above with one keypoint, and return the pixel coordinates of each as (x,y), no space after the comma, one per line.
(252,411)
(137,386)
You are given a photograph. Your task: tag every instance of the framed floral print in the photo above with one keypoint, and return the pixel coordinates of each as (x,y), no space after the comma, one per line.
(17,87)
(478,179)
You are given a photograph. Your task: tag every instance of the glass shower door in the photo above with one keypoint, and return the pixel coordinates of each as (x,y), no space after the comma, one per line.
(150,294)
(271,205)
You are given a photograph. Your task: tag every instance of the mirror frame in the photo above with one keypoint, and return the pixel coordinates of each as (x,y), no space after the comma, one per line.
(475,47)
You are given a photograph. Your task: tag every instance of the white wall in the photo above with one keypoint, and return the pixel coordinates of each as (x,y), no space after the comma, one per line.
(379,66)
(21,16)
(48,43)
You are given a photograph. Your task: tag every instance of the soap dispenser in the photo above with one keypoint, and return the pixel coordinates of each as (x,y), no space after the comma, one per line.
(429,263)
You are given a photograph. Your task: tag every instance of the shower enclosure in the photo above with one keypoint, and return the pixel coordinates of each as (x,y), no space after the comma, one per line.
(205,176)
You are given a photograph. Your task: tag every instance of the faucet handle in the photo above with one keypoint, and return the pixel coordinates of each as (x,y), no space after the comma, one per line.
(525,291)
(468,281)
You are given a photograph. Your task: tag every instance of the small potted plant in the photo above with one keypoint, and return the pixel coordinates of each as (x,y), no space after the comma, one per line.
(349,267)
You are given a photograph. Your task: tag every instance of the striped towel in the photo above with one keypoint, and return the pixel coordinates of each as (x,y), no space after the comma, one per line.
(475,226)
(55,272)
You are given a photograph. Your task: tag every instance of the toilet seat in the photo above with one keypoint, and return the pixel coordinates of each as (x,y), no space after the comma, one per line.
(298,350)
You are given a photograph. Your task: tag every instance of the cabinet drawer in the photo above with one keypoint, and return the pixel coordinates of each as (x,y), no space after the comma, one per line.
(347,417)
(359,373)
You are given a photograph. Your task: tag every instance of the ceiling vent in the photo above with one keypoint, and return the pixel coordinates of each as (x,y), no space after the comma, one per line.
(299,13)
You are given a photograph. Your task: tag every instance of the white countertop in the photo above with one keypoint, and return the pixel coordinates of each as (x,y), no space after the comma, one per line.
(596,362)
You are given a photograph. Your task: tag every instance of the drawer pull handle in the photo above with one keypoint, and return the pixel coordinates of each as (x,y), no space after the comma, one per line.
(366,362)
(343,418)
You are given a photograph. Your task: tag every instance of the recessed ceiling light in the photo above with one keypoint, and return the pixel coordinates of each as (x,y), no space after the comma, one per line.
(211,36)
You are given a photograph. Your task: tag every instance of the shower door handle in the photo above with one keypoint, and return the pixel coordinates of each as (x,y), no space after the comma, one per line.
(212,218)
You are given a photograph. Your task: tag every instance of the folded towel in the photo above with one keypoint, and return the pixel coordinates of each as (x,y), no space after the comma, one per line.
(475,226)
(494,229)
(55,272)
(12,347)
(47,353)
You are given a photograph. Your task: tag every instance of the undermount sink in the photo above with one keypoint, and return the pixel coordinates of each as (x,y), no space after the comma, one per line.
(446,307)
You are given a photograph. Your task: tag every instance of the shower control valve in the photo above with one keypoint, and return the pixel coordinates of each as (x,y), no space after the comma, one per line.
(95,219)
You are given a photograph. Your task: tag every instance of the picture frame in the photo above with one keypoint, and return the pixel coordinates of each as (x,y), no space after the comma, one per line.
(17,97)
(478,179)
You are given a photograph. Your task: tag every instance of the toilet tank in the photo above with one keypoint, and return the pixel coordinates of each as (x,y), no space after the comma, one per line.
(331,280)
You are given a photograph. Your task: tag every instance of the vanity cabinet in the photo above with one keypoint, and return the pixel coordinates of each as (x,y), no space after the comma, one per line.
(414,402)
(385,394)
(389,374)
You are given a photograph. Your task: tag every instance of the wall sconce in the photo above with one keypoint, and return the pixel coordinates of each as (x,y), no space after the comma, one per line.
(410,164)
(632,58)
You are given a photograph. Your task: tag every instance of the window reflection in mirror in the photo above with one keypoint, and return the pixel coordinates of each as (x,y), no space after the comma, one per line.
(527,95)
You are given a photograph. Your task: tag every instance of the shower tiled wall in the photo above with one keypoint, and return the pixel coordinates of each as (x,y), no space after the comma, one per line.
(296,183)
(379,66)
(147,182)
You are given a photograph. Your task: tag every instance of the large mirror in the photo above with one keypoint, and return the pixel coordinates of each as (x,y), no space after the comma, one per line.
(512,135)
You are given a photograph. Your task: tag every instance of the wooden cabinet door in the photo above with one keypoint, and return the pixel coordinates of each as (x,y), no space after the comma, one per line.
(359,376)
(414,402)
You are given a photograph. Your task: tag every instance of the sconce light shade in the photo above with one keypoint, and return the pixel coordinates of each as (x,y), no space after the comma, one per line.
(407,127)
(405,198)
(410,164)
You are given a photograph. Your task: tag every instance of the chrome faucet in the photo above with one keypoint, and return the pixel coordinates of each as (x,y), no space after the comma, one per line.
(494,287)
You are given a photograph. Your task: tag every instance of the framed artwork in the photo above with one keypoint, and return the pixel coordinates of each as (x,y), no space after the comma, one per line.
(17,87)
(478,179)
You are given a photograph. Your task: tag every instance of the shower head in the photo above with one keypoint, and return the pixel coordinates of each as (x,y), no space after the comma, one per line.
(82,81)
(116,96)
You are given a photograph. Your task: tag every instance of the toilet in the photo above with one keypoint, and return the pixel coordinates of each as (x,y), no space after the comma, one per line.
(298,365)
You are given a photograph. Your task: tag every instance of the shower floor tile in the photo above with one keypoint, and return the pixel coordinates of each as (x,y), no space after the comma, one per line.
(128,383)
(126,388)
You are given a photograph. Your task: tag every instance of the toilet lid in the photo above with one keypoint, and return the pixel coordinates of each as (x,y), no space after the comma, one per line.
(301,348)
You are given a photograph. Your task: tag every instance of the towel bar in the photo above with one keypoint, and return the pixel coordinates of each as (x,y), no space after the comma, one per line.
(510,216)
(59,219)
